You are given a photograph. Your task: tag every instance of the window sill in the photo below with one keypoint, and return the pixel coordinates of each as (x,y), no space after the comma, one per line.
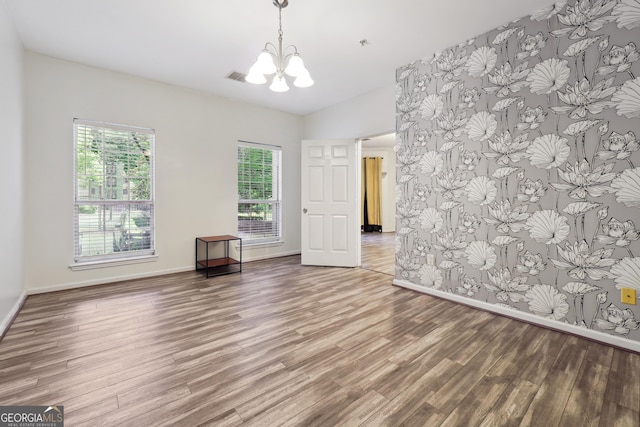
(90,265)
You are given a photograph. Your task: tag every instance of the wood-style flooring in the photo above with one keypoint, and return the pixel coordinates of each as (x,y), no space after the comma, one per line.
(379,252)
(282,344)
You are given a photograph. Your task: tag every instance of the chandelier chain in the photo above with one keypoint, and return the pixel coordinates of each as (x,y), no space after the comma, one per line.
(280,23)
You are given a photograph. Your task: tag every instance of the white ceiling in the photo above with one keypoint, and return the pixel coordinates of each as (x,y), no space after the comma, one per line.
(196,43)
(380,141)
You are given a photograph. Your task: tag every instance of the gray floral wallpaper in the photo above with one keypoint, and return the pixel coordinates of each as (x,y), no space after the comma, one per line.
(519,166)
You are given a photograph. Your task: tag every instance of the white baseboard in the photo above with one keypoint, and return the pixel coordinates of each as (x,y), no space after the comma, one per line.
(8,319)
(268,256)
(104,281)
(524,316)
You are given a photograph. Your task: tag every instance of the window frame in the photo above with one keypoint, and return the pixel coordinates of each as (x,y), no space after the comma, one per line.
(123,257)
(275,202)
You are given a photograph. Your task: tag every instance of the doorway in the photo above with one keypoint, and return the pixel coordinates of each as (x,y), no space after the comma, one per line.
(378,248)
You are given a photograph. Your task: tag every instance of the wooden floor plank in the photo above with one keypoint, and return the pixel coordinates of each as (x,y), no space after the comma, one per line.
(511,405)
(614,414)
(548,405)
(474,408)
(585,402)
(283,344)
(414,397)
(301,406)
(623,386)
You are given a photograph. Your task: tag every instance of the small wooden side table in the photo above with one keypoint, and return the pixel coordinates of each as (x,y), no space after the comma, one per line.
(225,261)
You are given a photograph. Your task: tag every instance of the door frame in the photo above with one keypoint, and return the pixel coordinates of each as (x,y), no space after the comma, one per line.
(360,140)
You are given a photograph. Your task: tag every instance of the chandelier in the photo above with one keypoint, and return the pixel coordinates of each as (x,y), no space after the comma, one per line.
(274,59)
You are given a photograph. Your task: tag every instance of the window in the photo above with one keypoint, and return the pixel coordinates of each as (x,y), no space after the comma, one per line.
(259,196)
(113,210)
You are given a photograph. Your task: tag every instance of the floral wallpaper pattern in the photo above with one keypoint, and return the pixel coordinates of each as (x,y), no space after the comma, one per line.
(519,166)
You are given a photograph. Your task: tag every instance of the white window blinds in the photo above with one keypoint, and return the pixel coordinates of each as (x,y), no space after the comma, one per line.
(259,192)
(114,191)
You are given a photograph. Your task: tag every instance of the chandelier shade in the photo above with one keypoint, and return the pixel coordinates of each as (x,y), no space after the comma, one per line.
(255,76)
(303,80)
(276,60)
(265,63)
(279,84)
(295,66)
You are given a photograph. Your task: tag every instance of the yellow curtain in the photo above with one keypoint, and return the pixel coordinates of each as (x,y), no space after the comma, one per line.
(372,167)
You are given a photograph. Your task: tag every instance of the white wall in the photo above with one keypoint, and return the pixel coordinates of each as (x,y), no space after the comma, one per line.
(11,170)
(388,184)
(370,114)
(196,140)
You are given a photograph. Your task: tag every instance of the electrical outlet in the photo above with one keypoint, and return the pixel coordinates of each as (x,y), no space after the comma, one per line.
(431,259)
(628,296)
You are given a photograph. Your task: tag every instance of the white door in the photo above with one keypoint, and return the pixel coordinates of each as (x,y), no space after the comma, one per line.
(330,215)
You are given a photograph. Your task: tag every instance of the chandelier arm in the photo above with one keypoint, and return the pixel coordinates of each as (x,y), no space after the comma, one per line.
(271,45)
(289,55)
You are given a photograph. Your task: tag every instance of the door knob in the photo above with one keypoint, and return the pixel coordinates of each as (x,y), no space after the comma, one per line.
(304,210)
